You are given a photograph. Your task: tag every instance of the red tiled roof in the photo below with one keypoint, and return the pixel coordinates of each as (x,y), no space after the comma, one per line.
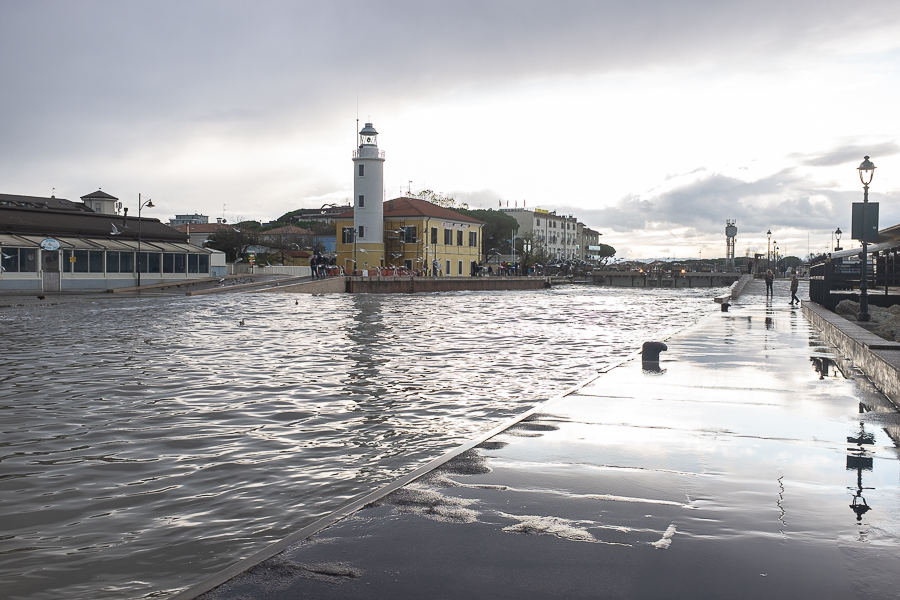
(414,207)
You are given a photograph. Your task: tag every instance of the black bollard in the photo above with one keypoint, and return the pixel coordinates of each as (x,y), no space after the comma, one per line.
(725,306)
(650,351)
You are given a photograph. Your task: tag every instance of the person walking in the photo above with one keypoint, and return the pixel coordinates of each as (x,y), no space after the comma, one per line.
(795,283)
(770,277)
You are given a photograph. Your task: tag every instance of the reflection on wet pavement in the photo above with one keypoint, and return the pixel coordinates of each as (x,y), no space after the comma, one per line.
(728,473)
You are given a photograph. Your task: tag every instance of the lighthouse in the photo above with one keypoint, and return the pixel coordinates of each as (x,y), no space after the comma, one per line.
(368,192)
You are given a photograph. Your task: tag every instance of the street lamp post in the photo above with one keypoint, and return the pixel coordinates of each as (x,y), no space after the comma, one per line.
(769,251)
(866,170)
(354,249)
(141,205)
(837,234)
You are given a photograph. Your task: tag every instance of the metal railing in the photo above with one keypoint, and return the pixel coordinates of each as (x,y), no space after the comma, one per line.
(380,154)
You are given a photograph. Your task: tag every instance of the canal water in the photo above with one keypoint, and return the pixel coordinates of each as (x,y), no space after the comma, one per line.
(149,442)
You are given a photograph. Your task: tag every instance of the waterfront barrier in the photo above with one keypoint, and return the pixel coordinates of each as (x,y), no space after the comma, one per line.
(410,285)
(878,358)
(665,280)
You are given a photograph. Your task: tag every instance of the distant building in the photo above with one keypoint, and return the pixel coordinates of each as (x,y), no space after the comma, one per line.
(557,234)
(589,244)
(189,219)
(101,202)
(53,244)
(199,233)
(418,235)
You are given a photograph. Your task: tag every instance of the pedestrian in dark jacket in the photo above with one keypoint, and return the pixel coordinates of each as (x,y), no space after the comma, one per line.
(795,283)
(770,277)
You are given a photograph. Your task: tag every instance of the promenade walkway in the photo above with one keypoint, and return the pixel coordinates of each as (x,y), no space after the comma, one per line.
(754,463)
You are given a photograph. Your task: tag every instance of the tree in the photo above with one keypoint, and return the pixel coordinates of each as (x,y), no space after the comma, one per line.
(603,255)
(498,228)
(440,199)
(233,241)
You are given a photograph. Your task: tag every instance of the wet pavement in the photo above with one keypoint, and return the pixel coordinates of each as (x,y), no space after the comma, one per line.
(751,462)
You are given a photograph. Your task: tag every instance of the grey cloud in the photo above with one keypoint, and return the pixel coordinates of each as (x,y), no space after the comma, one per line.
(704,205)
(76,68)
(86,83)
(851,154)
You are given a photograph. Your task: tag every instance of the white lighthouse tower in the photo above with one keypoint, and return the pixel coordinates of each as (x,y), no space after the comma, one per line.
(368,192)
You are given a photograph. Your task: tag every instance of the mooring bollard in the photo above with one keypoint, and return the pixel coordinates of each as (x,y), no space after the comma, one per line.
(650,351)
(650,356)
(725,306)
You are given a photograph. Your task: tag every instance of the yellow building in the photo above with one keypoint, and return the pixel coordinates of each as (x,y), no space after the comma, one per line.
(417,236)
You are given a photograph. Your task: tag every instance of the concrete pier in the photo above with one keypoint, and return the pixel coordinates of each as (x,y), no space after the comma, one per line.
(667,280)
(753,461)
(410,285)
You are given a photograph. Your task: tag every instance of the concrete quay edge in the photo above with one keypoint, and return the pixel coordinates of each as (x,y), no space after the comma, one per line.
(735,290)
(878,358)
(248,286)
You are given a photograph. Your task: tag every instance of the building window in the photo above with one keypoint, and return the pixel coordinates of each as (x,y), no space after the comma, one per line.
(434,235)
(95,261)
(448,241)
(10,260)
(459,237)
(28,260)
(347,235)
(537,222)
(362,170)
(362,231)
(192,263)
(448,268)
(409,234)
(168,263)
(361,204)
(473,238)
(203,263)
(149,262)
(460,268)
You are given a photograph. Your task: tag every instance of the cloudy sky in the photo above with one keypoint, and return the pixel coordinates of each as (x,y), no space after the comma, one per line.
(652,121)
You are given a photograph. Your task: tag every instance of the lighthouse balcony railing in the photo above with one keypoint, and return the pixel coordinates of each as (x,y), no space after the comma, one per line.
(356,154)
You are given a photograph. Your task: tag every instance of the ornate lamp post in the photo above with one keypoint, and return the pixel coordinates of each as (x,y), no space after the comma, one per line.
(141,205)
(837,234)
(769,250)
(866,173)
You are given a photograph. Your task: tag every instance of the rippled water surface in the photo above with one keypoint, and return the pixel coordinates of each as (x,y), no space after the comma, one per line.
(149,442)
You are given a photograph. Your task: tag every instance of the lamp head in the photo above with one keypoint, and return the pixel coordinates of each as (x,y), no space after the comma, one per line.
(149,204)
(769,232)
(866,170)
(837,233)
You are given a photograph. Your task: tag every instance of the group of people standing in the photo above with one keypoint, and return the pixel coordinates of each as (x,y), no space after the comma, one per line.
(321,265)
(795,285)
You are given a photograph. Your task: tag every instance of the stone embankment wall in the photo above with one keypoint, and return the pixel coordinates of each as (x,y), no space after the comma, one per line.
(328,285)
(409,285)
(677,280)
(412,285)
(878,358)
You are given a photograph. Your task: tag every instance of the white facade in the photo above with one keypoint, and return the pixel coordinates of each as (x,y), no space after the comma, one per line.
(368,188)
(558,234)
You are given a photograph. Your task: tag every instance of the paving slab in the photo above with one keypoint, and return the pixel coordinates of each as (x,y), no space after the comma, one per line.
(751,462)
